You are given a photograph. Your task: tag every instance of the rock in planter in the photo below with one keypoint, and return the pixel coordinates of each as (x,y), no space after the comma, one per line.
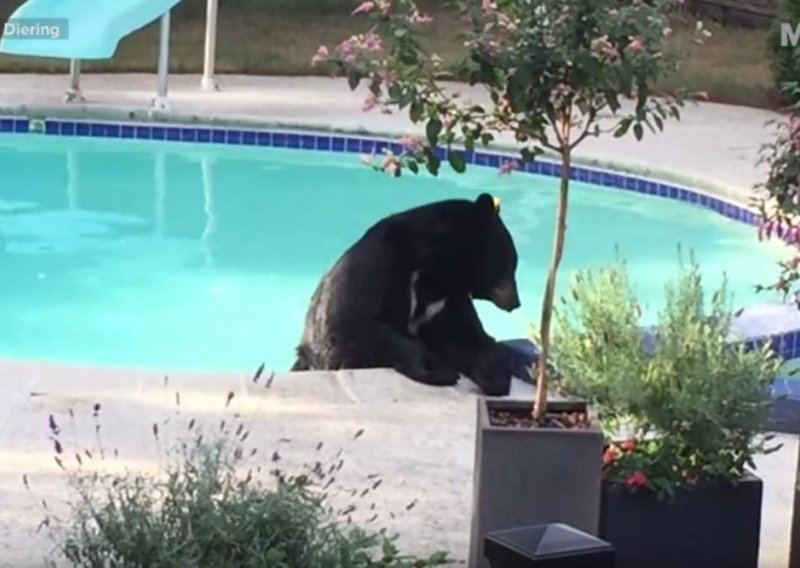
(704,526)
(528,476)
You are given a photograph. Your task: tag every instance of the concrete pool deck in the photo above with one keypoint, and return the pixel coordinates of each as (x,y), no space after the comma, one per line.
(419,440)
(429,463)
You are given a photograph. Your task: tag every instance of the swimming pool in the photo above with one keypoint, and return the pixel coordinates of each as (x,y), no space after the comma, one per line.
(203,257)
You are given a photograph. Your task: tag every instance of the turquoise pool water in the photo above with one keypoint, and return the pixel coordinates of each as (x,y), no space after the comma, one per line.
(195,257)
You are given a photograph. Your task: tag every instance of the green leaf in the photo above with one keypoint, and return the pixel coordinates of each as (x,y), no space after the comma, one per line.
(416,111)
(432,131)
(622,128)
(437,558)
(638,131)
(529,154)
(457,162)
(659,122)
(353,78)
(432,162)
(612,100)
(413,166)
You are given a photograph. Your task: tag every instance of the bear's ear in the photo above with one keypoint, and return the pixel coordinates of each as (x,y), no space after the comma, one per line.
(488,203)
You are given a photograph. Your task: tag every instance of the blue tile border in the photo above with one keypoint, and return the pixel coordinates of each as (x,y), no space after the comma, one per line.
(278,138)
(787,345)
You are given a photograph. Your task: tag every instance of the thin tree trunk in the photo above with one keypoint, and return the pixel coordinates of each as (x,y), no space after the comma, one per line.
(540,404)
(794,542)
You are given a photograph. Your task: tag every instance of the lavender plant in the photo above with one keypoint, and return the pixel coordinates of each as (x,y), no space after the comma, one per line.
(217,502)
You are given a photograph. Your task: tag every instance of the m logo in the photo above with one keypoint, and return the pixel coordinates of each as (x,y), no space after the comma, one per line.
(790,35)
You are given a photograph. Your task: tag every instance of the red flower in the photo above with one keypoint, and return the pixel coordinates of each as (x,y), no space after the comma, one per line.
(628,445)
(609,455)
(637,479)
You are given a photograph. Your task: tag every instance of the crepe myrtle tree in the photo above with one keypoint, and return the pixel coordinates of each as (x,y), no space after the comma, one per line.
(550,68)
(778,200)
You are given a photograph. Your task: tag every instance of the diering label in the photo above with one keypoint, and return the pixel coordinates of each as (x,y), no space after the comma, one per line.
(36,28)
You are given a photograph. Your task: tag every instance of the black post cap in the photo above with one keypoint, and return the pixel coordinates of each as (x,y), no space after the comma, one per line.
(552,545)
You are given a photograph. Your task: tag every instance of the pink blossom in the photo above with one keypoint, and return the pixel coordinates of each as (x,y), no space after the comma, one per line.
(488,5)
(603,48)
(384,6)
(637,479)
(417,18)
(636,44)
(490,47)
(320,56)
(559,94)
(414,144)
(505,22)
(372,42)
(667,31)
(508,167)
(370,102)
(365,8)
(390,164)
(347,50)
(387,76)
(794,126)
(447,121)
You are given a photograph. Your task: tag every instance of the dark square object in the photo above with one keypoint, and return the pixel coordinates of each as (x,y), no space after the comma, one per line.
(553,545)
(705,526)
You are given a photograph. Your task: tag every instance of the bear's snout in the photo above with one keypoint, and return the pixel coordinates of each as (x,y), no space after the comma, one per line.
(505,296)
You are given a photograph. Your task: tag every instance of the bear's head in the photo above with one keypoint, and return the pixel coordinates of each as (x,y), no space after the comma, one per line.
(469,250)
(495,257)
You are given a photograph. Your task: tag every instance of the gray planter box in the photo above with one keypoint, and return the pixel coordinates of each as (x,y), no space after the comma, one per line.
(533,476)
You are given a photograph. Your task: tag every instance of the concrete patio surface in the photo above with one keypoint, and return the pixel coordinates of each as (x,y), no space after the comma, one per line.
(419,439)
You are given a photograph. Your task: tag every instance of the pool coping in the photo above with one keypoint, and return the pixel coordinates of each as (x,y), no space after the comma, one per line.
(140,126)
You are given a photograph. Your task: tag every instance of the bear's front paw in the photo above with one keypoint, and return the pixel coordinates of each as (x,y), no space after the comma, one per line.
(428,370)
(441,377)
(491,371)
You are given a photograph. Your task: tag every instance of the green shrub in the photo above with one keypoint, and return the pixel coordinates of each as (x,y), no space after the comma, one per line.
(214,502)
(784,60)
(695,404)
(201,514)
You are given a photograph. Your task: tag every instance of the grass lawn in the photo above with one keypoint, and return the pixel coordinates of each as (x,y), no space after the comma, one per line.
(278,38)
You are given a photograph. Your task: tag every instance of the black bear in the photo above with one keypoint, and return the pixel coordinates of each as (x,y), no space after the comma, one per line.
(401,297)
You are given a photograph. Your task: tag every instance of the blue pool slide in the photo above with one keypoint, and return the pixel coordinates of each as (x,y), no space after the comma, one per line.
(94,27)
